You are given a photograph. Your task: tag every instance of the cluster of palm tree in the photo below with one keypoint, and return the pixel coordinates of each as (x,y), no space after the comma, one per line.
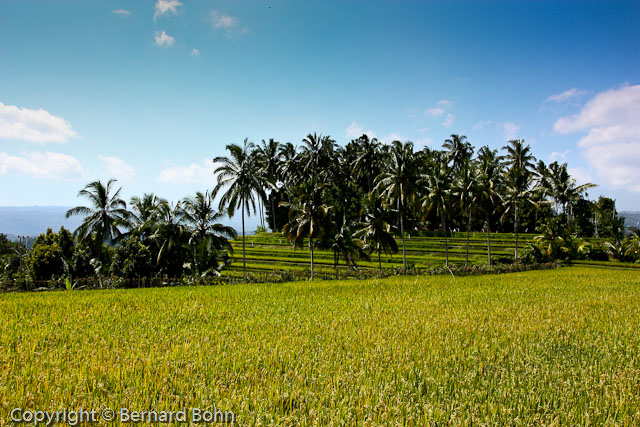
(354,199)
(187,234)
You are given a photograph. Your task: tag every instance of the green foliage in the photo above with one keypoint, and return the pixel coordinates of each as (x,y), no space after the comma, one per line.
(46,261)
(132,259)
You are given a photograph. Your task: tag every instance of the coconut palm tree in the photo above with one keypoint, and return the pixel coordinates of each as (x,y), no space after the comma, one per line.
(465,190)
(307,216)
(268,158)
(397,182)
(375,231)
(564,190)
(458,150)
(144,211)
(489,183)
(170,236)
(237,174)
(366,162)
(438,189)
(207,234)
(106,212)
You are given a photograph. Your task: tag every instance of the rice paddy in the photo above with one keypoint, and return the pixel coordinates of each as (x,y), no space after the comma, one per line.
(554,347)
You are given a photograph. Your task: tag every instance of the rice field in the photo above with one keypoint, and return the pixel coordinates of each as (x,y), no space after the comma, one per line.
(556,347)
(266,252)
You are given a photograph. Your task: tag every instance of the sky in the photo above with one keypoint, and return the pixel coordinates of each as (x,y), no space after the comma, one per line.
(150,91)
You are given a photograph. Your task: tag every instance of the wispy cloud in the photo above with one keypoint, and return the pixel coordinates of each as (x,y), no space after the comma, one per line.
(567,94)
(222,20)
(481,125)
(227,23)
(194,52)
(117,167)
(439,110)
(163,39)
(556,155)
(354,130)
(510,130)
(194,173)
(166,8)
(33,125)
(47,165)
(612,143)
(121,12)
(388,139)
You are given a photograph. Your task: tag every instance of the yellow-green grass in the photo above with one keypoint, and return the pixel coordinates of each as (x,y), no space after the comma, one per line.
(544,347)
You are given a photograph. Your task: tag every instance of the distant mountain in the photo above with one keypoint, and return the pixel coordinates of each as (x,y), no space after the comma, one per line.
(32,220)
(631,219)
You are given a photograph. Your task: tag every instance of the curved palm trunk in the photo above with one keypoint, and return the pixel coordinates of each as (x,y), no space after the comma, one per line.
(311,249)
(466,263)
(516,230)
(446,240)
(244,260)
(273,212)
(488,241)
(404,257)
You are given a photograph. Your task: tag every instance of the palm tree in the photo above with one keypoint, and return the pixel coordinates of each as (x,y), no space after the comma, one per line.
(306,217)
(237,174)
(458,150)
(106,212)
(520,162)
(397,182)
(564,190)
(170,237)
(268,157)
(438,189)
(144,211)
(376,231)
(489,180)
(466,192)
(365,163)
(207,233)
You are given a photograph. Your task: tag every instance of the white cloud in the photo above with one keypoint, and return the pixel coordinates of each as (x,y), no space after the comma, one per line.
(388,139)
(121,12)
(559,156)
(117,167)
(445,103)
(195,173)
(354,130)
(510,130)
(423,142)
(482,124)
(580,175)
(163,39)
(47,165)
(567,94)
(612,143)
(166,7)
(435,111)
(33,125)
(449,120)
(222,20)
(195,52)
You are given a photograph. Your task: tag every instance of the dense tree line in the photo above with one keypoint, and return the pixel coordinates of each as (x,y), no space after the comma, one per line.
(354,200)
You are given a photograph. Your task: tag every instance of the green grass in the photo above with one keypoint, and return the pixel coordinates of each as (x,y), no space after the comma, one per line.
(545,347)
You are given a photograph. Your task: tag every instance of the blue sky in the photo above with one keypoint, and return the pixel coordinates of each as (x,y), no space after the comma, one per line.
(150,91)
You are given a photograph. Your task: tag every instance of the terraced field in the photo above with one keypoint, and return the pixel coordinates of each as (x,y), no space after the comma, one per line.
(267,252)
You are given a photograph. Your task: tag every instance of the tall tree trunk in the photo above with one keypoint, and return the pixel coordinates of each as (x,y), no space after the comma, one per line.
(273,211)
(488,240)
(446,241)
(379,259)
(515,226)
(404,257)
(244,260)
(311,249)
(466,263)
